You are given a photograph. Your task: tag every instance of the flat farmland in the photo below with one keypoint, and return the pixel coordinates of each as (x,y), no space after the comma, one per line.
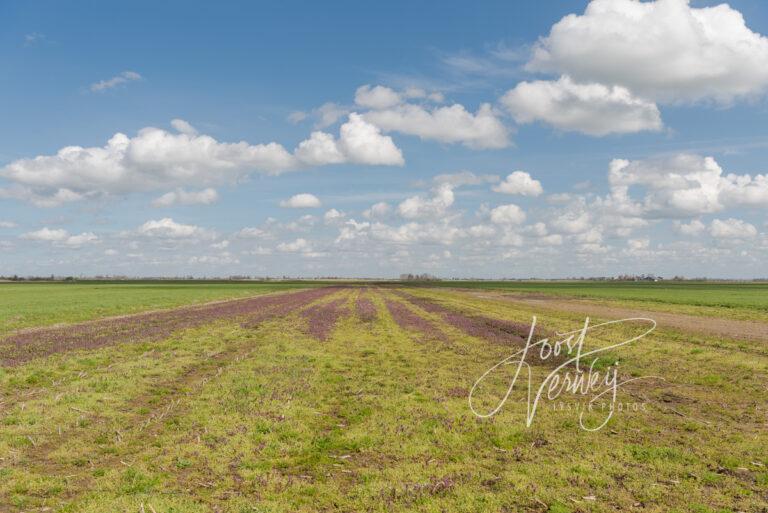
(746,300)
(25,305)
(357,398)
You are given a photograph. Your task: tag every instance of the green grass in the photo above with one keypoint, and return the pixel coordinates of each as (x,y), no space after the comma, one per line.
(734,300)
(727,295)
(24,305)
(233,419)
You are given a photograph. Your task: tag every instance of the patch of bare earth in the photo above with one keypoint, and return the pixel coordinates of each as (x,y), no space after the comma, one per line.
(728,328)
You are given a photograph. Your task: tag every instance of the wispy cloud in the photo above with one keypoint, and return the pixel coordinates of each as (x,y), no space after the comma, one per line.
(122,78)
(497,61)
(33,38)
(465,70)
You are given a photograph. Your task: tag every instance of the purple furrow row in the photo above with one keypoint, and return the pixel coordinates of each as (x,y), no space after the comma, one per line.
(322,318)
(407,319)
(366,310)
(494,330)
(283,305)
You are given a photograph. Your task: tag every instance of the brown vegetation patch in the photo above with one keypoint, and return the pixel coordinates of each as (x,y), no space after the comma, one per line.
(283,305)
(322,318)
(498,331)
(409,320)
(366,310)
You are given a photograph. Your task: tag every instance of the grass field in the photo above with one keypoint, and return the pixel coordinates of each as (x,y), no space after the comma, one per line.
(726,295)
(24,305)
(356,399)
(739,300)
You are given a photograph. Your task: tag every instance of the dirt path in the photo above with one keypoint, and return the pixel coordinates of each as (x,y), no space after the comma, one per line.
(729,328)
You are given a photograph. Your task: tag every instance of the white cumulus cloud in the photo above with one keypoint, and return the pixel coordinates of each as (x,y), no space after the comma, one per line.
(590,108)
(183,126)
(182,197)
(638,244)
(46,234)
(683,185)
(377,210)
(378,97)
(449,124)
(333,216)
(664,50)
(251,232)
(61,237)
(363,143)
(167,228)
(80,240)
(519,182)
(359,142)
(732,229)
(303,200)
(507,215)
(418,207)
(157,159)
(571,222)
(695,227)
(296,246)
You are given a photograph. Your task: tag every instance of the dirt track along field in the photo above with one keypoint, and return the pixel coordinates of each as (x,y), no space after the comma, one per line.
(731,328)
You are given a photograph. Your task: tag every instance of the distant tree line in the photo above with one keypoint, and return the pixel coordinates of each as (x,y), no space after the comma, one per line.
(418,277)
(16,277)
(403,277)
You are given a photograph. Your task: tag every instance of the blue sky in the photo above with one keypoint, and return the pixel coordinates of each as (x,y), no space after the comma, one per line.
(488,130)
